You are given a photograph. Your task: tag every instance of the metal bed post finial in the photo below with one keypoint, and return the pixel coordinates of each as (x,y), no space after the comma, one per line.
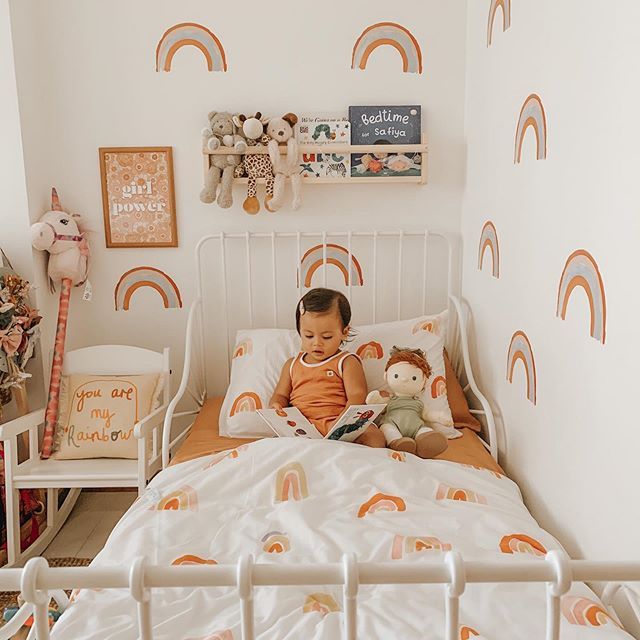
(142,596)
(555,590)
(245,593)
(39,599)
(457,583)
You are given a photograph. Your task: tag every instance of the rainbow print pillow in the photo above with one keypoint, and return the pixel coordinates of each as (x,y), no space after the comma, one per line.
(258,357)
(373,344)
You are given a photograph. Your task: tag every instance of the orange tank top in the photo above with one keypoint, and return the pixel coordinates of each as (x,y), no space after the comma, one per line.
(318,389)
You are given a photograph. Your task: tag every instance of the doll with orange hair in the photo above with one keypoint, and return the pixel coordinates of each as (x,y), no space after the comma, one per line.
(403,421)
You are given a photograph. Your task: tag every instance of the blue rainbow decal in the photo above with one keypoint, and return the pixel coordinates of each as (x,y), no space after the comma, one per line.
(489,240)
(532,115)
(338,256)
(520,349)
(581,270)
(190,34)
(505,5)
(392,34)
(132,280)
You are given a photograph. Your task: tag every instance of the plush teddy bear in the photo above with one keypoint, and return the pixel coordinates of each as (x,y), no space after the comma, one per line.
(403,420)
(221,132)
(280,130)
(256,165)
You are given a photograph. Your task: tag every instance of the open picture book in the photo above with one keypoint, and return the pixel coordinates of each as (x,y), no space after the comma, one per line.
(290,423)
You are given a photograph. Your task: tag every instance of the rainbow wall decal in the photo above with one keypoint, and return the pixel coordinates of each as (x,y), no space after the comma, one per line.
(190,34)
(338,256)
(466,633)
(489,240)
(581,270)
(247,401)
(585,613)
(505,5)
(521,543)
(275,542)
(192,560)
(291,483)
(438,387)
(381,502)
(403,545)
(388,33)
(183,499)
(133,279)
(520,349)
(370,351)
(430,326)
(321,603)
(244,348)
(532,115)
(453,493)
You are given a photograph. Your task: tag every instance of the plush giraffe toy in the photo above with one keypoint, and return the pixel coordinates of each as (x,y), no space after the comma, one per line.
(58,233)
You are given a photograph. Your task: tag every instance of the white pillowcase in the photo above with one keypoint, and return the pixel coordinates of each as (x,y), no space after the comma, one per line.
(260,354)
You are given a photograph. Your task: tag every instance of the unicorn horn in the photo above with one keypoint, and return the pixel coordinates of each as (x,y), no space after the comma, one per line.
(55,201)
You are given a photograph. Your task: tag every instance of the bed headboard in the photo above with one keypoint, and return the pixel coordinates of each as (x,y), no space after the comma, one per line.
(249,280)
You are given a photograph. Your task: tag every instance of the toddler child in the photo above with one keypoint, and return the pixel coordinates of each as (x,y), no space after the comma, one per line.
(321,381)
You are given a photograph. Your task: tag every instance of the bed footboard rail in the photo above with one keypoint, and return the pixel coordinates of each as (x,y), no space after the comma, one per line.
(192,385)
(38,582)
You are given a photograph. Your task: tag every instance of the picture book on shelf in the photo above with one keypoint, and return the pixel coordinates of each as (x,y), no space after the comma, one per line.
(382,125)
(325,130)
(290,422)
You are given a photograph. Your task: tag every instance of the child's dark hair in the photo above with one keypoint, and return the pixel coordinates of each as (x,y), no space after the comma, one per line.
(321,301)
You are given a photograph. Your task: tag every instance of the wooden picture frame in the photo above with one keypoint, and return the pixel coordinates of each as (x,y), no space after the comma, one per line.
(138,197)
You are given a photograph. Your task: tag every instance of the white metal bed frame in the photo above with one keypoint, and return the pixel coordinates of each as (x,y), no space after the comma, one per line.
(38,582)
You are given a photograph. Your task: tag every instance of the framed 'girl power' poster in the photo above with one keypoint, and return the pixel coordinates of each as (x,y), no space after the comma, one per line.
(138,197)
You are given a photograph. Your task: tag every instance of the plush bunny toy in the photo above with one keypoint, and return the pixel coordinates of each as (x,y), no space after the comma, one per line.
(403,421)
(280,130)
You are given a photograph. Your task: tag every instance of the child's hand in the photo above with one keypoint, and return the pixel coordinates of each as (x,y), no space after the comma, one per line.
(276,405)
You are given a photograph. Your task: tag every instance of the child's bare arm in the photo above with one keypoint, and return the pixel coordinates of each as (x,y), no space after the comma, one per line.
(355,384)
(282,393)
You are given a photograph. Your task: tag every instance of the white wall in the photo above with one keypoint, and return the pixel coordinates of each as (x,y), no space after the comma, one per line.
(575,453)
(87,79)
(14,220)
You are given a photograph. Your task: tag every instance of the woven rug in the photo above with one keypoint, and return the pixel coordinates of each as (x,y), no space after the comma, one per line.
(10,598)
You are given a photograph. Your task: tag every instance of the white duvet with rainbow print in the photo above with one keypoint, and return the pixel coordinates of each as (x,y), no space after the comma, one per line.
(289,500)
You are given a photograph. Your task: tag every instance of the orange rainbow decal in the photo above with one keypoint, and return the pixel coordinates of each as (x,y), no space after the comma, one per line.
(586,613)
(322,603)
(370,351)
(532,115)
(466,633)
(453,493)
(438,387)
(489,240)
(381,502)
(475,466)
(338,256)
(275,542)
(520,349)
(521,543)
(247,401)
(430,326)
(291,483)
(151,277)
(581,270)
(189,559)
(411,544)
(505,5)
(244,348)
(190,34)
(399,456)
(183,499)
(388,33)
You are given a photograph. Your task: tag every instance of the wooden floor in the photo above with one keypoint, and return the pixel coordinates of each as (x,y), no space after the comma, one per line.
(90,523)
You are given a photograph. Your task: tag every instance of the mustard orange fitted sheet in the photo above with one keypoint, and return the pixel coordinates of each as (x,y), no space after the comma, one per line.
(205,439)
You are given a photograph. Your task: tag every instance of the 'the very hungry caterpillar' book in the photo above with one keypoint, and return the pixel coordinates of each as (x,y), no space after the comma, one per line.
(382,125)
(325,130)
(290,422)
